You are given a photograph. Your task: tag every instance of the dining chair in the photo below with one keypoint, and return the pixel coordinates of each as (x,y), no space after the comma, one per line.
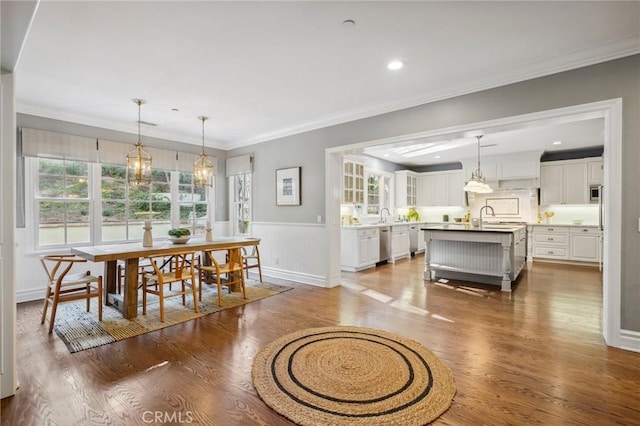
(65,287)
(181,270)
(251,259)
(144,267)
(232,269)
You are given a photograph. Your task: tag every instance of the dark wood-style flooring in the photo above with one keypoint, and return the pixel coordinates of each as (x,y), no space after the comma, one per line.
(535,356)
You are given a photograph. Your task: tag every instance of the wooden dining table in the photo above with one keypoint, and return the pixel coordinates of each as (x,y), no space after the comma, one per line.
(131,253)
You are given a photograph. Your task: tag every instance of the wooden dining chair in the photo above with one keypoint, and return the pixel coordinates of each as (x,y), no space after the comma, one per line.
(215,270)
(251,259)
(181,270)
(65,287)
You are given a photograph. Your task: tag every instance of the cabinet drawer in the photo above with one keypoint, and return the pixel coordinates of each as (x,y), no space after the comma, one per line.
(551,229)
(551,238)
(550,252)
(585,231)
(367,232)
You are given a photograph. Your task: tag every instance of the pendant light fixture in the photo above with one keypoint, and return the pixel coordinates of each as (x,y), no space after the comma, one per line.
(477,182)
(203,167)
(138,159)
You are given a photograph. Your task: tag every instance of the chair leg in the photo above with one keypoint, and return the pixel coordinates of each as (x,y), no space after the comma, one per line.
(99,298)
(219,283)
(46,304)
(144,295)
(160,293)
(200,282)
(89,297)
(54,309)
(184,293)
(260,269)
(244,288)
(193,290)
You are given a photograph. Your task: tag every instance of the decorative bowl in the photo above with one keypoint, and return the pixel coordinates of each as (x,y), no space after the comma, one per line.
(180,240)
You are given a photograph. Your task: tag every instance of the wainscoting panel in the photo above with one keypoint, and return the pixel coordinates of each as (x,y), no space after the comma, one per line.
(294,251)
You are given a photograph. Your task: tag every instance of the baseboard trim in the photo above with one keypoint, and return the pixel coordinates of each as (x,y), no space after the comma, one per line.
(29,295)
(630,340)
(299,277)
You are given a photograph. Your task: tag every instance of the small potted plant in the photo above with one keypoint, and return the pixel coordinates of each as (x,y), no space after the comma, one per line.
(179,235)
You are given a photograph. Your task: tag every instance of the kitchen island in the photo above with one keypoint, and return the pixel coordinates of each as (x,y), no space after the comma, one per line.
(491,254)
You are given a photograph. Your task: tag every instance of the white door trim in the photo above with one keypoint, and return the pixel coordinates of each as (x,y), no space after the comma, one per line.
(610,110)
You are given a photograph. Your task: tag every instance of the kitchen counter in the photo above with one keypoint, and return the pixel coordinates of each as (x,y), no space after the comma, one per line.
(466,227)
(494,254)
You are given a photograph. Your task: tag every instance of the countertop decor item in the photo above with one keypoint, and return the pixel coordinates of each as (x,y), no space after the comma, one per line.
(352,376)
(179,235)
(147,239)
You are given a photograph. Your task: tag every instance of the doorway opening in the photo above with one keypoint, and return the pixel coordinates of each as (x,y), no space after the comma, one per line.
(609,110)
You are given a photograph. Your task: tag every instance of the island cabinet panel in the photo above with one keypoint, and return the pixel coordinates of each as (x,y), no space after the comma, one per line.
(491,255)
(359,249)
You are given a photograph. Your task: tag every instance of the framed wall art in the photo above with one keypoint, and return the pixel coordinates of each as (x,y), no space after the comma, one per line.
(288,187)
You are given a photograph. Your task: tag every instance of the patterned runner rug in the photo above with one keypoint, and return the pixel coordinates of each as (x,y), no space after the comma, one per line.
(81,330)
(352,376)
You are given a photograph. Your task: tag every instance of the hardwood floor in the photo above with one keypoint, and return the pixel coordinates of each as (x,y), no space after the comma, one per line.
(535,356)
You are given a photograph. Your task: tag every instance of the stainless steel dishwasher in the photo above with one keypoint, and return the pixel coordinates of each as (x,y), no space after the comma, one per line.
(385,243)
(413,238)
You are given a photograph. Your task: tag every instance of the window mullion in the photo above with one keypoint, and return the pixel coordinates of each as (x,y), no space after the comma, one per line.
(175,199)
(95,189)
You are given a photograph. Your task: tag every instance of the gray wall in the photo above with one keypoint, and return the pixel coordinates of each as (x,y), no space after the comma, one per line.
(221,187)
(614,79)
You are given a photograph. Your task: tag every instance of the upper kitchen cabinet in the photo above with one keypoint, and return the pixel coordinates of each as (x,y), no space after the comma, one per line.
(595,172)
(406,188)
(441,188)
(567,181)
(352,182)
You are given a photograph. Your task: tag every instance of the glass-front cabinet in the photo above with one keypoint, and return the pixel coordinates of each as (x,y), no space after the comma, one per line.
(352,182)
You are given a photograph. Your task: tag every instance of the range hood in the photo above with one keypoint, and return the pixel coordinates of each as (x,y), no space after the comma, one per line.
(519,170)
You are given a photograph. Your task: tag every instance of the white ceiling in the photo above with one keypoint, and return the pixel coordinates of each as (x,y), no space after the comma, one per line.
(262,70)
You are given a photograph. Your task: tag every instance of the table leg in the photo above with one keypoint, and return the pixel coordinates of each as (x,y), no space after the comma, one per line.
(130,302)
(110,272)
(235,256)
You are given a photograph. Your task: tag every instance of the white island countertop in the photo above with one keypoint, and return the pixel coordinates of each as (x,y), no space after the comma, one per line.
(467,227)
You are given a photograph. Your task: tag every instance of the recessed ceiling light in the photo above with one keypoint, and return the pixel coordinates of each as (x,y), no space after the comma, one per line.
(437,156)
(395,65)
(385,155)
(557,143)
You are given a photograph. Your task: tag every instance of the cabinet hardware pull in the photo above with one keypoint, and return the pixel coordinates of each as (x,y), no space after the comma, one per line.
(550,252)
(550,239)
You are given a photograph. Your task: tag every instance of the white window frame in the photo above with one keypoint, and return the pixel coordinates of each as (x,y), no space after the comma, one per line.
(385,201)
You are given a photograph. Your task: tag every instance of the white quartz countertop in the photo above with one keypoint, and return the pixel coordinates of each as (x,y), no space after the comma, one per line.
(466,227)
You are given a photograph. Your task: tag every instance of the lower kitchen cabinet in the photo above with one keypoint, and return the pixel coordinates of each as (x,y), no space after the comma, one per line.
(580,244)
(400,246)
(585,244)
(359,248)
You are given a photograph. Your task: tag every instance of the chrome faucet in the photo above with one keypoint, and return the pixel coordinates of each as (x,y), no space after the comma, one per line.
(493,213)
(383,219)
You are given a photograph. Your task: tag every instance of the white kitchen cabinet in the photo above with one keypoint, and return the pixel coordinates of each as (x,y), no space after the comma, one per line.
(359,249)
(441,189)
(574,243)
(399,242)
(595,171)
(585,244)
(564,183)
(551,242)
(352,182)
(406,188)
(576,190)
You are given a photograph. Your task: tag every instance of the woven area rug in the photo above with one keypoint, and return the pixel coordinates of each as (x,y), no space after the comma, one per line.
(81,330)
(352,376)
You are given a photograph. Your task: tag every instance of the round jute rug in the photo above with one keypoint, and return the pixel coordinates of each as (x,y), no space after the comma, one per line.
(352,376)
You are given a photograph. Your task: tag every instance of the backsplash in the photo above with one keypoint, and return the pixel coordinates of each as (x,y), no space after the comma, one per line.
(518,205)
(567,214)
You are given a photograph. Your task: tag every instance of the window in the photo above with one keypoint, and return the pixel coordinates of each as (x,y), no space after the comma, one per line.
(63,203)
(125,208)
(241,203)
(378,193)
(193,202)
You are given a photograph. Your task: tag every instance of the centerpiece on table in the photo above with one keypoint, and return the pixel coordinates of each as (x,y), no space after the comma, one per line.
(179,235)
